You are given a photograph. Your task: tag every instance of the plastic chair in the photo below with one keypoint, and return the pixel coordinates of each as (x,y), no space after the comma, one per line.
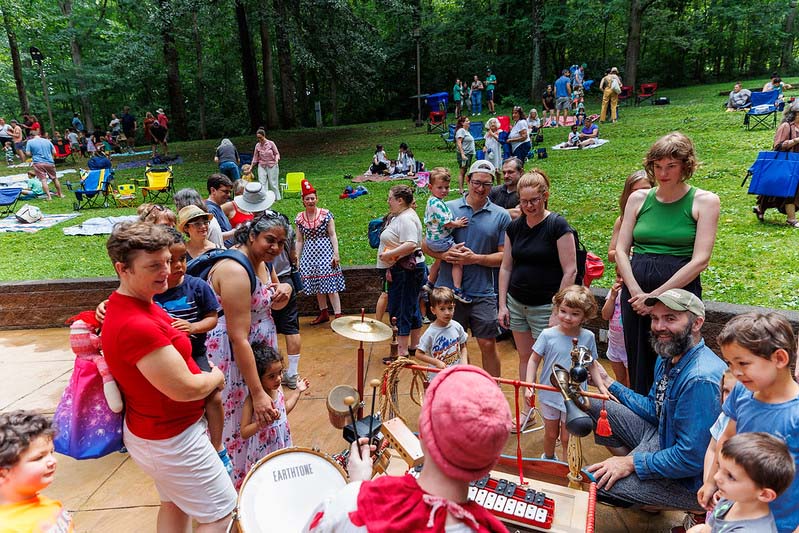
(764,106)
(8,200)
(93,189)
(646,91)
(125,195)
(159,185)
(293,183)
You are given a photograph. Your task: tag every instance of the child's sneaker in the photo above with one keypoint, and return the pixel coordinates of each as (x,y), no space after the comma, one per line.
(428,287)
(461,296)
(225,458)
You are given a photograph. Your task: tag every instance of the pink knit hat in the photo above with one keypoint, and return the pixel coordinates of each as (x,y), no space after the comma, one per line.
(465,422)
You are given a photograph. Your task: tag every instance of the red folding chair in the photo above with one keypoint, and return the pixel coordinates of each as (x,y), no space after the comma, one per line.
(436,121)
(646,91)
(625,94)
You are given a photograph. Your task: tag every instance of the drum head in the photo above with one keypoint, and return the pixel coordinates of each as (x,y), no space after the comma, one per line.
(335,399)
(283,488)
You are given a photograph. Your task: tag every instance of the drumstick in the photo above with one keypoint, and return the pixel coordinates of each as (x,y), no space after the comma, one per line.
(349,401)
(374,384)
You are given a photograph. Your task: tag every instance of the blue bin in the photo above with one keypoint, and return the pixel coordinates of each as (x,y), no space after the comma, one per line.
(438,101)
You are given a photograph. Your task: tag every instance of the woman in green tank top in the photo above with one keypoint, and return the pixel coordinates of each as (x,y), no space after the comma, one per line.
(671,229)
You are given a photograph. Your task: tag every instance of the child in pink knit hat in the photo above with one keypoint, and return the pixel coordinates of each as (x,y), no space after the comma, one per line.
(463,426)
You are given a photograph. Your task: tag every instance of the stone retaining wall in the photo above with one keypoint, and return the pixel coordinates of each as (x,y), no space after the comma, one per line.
(47,304)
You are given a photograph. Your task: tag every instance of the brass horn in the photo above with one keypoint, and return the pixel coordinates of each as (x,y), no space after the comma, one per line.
(578,423)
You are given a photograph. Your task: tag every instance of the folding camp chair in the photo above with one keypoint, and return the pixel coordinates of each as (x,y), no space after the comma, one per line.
(476,129)
(8,200)
(293,183)
(764,105)
(63,152)
(422,180)
(159,186)
(93,189)
(125,195)
(646,91)
(449,138)
(436,121)
(625,94)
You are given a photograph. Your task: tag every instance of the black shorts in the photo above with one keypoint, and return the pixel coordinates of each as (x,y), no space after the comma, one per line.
(287,320)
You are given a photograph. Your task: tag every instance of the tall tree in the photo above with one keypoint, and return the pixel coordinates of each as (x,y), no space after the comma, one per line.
(15,60)
(198,51)
(249,70)
(536,79)
(287,88)
(77,59)
(786,58)
(634,21)
(178,127)
(272,119)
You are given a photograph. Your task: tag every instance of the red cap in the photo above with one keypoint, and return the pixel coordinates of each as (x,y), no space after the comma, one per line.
(307,188)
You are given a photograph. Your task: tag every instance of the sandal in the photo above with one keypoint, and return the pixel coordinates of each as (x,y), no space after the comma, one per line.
(758,212)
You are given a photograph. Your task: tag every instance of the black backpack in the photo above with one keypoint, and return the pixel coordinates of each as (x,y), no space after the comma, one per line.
(582,253)
(375,229)
(200,266)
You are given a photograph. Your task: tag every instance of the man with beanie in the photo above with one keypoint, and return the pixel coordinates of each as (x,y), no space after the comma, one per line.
(464,423)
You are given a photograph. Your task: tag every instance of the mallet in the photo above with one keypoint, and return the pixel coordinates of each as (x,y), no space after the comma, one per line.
(374,384)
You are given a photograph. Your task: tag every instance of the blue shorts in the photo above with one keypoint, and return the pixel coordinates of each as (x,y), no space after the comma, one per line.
(440,245)
(490,95)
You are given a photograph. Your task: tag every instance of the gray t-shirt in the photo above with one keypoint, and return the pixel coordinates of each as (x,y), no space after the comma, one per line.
(227,153)
(717,523)
(468,141)
(555,347)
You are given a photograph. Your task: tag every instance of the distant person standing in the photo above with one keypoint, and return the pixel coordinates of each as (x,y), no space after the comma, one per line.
(77,125)
(227,157)
(159,129)
(491,85)
(42,153)
(548,102)
(477,96)
(5,132)
(609,94)
(563,90)
(266,156)
(129,126)
(457,96)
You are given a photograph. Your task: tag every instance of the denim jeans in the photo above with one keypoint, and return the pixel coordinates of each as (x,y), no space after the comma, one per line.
(477,102)
(230,169)
(403,297)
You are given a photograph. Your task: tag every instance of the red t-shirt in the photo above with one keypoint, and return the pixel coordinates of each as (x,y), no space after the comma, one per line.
(133,329)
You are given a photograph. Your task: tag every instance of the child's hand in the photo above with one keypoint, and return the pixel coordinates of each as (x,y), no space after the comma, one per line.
(182,325)
(303,384)
(440,364)
(529,396)
(461,222)
(616,287)
(705,496)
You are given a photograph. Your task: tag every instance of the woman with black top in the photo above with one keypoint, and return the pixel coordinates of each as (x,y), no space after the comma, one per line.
(549,112)
(538,260)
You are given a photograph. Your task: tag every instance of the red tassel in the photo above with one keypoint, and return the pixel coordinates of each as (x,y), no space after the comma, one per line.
(603,425)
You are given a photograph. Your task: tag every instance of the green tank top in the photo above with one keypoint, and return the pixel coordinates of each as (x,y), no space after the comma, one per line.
(665,229)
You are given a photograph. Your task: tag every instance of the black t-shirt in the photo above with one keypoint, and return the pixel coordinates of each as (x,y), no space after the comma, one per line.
(536,273)
(499,195)
(549,99)
(128,121)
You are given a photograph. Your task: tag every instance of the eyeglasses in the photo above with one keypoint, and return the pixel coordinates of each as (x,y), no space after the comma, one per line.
(531,201)
(481,184)
(199,223)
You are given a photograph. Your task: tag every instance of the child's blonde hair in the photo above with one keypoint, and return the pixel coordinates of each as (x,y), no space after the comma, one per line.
(761,334)
(246,169)
(578,297)
(239,186)
(439,174)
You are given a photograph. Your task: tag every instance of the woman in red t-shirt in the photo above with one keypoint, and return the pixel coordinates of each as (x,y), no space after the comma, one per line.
(163,388)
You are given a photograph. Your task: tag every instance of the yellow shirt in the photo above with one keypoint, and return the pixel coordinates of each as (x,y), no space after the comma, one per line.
(36,515)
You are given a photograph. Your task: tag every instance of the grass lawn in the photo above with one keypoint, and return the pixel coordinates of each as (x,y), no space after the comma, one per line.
(751,261)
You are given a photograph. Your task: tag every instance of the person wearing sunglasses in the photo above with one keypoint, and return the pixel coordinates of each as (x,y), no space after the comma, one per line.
(194,222)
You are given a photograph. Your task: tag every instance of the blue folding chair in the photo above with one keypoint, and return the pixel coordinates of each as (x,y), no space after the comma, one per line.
(93,189)
(449,138)
(764,106)
(8,200)
(476,129)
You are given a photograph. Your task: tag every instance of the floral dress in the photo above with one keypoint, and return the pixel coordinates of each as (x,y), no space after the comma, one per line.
(262,329)
(272,438)
(318,276)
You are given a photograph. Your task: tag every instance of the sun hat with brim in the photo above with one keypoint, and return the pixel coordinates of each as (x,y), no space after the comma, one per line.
(255,198)
(189,213)
(482,166)
(679,300)
(159,110)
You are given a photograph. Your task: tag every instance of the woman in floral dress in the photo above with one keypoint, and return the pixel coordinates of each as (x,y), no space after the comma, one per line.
(247,319)
(317,248)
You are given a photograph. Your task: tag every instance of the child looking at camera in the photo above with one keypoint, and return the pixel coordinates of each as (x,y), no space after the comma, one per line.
(443,344)
(276,435)
(761,351)
(27,466)
(439,223)
(575,305)
(754,469)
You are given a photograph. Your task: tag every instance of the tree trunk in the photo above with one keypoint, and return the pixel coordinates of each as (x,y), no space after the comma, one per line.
(536,79)
(786,58)
(249,71)
(77,61)
(198,50)
(15,60)
(272,119)
(633,42)
(177,110)
(302,95)
(287,89)
(334,98)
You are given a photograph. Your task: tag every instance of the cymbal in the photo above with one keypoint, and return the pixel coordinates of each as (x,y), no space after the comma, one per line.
(367,329)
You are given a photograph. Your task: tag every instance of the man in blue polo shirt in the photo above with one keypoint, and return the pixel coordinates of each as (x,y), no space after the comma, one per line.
(42,152)
(479,249)
(563,92)
(219,187)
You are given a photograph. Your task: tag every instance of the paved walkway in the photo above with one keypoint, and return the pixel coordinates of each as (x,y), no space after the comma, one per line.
(111,494)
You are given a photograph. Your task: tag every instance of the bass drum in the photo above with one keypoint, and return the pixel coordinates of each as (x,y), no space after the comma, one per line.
(282,489)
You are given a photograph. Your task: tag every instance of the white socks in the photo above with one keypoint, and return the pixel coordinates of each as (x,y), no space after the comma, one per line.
(294,362)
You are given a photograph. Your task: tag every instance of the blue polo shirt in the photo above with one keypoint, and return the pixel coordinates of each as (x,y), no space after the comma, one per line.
(484,234)
(214,209)
(560,87)
(41,150)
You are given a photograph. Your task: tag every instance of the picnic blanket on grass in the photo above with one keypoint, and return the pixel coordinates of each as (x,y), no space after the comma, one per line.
(144,162)
(381,177)
(130,154)
(98,225)
(15,179)
(597,144)
(11,224)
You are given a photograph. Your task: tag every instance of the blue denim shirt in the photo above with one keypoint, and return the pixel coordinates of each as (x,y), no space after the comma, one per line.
(691,405)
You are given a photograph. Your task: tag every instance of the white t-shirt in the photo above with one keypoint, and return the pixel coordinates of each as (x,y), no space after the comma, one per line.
(405,227)
(520,126)
(443,343)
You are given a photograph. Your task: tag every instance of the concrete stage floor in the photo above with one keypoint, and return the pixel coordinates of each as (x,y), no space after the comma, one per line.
(111,494)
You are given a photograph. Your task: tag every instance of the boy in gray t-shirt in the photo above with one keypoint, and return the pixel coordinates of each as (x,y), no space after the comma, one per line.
(444,342)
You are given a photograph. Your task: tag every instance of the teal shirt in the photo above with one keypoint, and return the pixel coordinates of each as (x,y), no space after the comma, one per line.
(456,92)
(490,81)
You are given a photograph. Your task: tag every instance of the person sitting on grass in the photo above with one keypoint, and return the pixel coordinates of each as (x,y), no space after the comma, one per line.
(589,133)
(740,99)
(27,466)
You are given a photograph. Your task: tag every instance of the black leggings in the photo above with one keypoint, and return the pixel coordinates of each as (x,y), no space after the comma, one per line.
(650,271)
